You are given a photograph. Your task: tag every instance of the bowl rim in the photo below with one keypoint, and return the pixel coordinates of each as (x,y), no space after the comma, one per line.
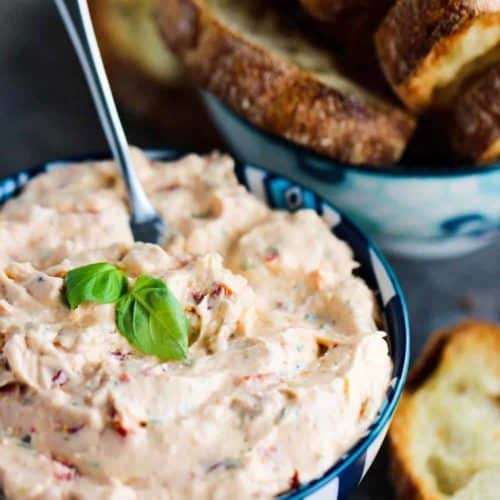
(398,171)
(401,340)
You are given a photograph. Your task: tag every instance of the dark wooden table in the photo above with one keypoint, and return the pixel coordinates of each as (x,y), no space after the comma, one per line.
(46,113)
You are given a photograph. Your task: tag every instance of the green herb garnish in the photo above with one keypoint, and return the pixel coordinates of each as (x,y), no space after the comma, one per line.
(148,316)
(101,283)
(152,320)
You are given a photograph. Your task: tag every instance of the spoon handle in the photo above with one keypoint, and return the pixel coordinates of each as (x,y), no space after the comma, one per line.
(76,17)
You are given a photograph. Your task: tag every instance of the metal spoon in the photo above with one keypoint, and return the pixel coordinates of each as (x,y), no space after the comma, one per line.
(146,224)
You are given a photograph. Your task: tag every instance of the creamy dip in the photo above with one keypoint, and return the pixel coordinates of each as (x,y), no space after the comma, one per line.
(286,365)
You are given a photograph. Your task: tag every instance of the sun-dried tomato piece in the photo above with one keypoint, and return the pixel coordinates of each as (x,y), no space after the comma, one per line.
(294,480)
(59,378)
(197,296)
(270,255)
(222,288)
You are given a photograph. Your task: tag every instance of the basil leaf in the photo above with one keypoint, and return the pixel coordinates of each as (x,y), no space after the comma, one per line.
(152,320)
(101,283)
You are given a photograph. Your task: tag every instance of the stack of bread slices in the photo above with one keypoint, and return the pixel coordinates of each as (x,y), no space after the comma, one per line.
(443,57)
(311,70)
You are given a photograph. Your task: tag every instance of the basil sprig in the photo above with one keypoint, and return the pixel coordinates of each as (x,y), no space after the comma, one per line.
(101,283)
(148,316)
(152,320)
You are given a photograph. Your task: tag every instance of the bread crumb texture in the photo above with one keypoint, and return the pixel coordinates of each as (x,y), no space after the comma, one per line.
(445,437)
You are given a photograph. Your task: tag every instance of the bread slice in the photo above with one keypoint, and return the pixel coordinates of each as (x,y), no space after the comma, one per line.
(475,120)
(146,78)
(428,48)
(444,439)
(127,31)
(252,58)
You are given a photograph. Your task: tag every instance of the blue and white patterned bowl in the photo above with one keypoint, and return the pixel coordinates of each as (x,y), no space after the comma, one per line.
(279,192)
(415,213)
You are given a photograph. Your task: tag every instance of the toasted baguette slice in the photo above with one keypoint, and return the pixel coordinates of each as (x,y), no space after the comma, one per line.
(475,120)
(444,439)
(250,57)
(427,48)
(127,31)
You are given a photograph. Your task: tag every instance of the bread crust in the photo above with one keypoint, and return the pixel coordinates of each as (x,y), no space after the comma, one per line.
(475,120)
(274,94)
(416,36)
(440,350)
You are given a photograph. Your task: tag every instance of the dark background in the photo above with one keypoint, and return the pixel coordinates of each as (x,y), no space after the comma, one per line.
(46,113)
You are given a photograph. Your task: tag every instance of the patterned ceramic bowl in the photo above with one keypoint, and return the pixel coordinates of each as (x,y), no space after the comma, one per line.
(416,213)
(279,192)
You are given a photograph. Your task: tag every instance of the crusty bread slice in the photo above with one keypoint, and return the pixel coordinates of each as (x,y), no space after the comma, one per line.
(475,120)
(253,59)
(146,78)
(127,30)
(427,48)
(444,439)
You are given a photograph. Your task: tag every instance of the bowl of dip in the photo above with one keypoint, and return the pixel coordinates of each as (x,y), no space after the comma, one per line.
(299,359)
(419,212)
